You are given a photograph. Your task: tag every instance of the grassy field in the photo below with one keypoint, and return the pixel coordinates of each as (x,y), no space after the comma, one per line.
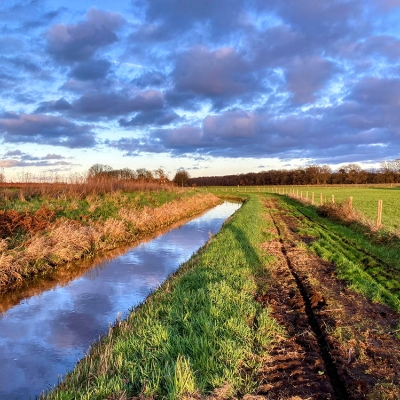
(370,268)
(365,199)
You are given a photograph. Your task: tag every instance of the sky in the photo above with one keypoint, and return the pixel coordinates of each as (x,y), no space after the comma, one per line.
(213,86)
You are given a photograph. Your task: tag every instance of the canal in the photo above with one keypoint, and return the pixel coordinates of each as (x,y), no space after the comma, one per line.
(46,329)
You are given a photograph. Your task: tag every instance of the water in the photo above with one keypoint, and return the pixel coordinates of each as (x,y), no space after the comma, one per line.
(44,335)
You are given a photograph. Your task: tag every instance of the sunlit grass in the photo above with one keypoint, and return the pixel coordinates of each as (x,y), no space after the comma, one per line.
(365,198)
(201,330)
(370,268)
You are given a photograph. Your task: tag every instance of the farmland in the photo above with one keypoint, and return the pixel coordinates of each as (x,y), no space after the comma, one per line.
(365,198)
(281,303)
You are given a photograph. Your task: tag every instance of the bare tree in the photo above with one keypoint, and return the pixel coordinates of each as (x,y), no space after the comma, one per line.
(181,177)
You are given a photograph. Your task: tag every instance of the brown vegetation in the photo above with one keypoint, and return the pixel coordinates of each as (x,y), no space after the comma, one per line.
(12,221)
(63,241)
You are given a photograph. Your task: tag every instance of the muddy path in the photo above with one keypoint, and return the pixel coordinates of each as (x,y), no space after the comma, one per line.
(338,345)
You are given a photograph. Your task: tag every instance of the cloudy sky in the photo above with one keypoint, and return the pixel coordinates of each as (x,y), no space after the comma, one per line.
(215,86)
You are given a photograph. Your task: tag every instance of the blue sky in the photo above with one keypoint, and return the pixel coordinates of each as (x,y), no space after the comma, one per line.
(217,87)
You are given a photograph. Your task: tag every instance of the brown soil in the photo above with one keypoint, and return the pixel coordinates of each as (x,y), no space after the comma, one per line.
(339,345)
(12,221)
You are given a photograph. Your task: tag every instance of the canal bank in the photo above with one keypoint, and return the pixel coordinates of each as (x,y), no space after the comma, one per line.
(47,333)
(201,329)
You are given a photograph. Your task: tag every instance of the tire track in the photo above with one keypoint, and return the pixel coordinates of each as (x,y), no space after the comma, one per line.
(338,386)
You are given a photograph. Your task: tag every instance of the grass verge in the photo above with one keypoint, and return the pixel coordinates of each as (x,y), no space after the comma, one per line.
(201,330)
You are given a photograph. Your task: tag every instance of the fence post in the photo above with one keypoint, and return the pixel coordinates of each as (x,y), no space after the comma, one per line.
(351,202)
(379,217)
(320,199)
(297,195)
(307,196)
(333,199)
(312,198)
(301,195)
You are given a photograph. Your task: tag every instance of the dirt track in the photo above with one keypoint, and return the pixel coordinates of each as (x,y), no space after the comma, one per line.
(338,345)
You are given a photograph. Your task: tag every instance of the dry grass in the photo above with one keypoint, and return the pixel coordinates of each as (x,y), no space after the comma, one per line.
(65,241)
(75,188)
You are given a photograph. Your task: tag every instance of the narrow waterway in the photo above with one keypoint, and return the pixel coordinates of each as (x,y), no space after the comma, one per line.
(44,335)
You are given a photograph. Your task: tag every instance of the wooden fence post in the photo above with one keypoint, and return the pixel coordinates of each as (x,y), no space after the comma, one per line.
(351,202)
(320,199)
(301,195)
(312,198)
(379,217)
(333,199)
(307,196)
(297,193)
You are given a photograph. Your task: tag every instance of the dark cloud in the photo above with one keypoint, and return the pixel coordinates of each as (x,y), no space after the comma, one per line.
(91,70)
(11,153)
(17,158)
(79,42)
(22,163)
(343,132)
(134,147)
(184,137)
(116,103)
(25,16)
(161,117)
(232,124)
(377,91)
(166,19)
(53,106)
(331,20)
(212,73)
(305,76)
(44,129)
(94,105)
(150,79)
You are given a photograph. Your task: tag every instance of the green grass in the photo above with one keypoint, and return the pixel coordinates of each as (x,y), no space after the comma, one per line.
(371,269)
(201,330)
(98,207)
(365,198)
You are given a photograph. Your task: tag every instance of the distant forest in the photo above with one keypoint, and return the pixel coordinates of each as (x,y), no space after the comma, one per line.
(389,172)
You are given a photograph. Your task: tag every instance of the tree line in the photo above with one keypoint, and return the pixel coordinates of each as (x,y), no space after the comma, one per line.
(389,172)
(141,175)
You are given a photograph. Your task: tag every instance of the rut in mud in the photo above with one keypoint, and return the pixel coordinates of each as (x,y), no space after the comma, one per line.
(338,344)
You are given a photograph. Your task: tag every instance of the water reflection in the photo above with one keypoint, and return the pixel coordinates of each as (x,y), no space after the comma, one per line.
(45,334)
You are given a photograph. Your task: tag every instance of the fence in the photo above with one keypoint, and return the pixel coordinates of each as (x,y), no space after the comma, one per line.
(292,193)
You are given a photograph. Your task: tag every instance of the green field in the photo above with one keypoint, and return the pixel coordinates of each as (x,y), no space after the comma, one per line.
(365,199)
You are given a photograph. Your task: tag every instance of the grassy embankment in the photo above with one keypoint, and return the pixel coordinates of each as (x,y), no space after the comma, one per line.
(42,232)
(202,330)
(371,268)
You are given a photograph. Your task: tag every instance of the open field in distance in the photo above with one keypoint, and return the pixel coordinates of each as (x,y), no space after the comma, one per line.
(365,198)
